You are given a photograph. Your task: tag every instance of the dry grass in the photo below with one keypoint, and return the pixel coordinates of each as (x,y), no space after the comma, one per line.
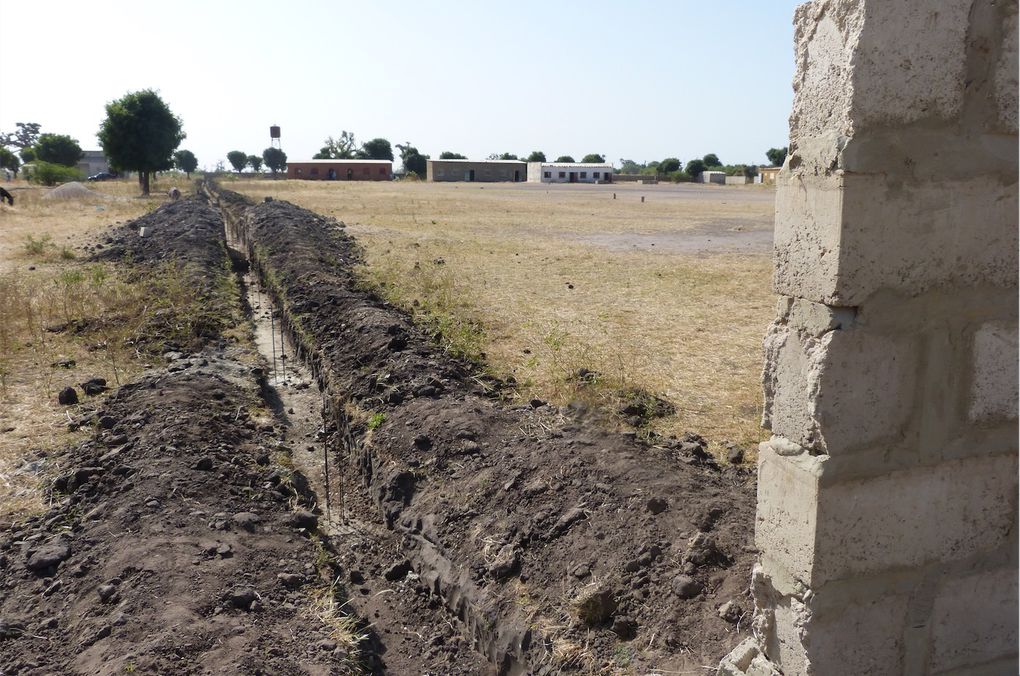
(521,275)
(41,285)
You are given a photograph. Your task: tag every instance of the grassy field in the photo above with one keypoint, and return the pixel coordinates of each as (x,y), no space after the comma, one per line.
(670,295)
(44,282)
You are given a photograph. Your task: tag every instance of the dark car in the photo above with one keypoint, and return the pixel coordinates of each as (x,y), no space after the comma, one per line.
(103,176)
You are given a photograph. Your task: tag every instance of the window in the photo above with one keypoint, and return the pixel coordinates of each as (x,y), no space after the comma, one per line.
(563,174)
(584,174)
(596,175)
(548,174)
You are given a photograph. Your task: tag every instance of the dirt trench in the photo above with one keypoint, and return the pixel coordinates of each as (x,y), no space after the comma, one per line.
(556,545)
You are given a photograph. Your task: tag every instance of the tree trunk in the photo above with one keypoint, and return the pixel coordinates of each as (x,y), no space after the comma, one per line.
(143,180)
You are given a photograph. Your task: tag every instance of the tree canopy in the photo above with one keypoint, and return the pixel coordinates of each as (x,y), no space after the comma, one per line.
(275,159)
(343,148)
(255,162)
(564,158)
(9,160)
(777,156)
(536,156)
(140,133)
(669,165)
(711,160)
(24,136)
(376,149)
(694,168)
(414,162)
(185,161)
(27,154)
(238,160)
(58,149)
(447,155)
(593,158)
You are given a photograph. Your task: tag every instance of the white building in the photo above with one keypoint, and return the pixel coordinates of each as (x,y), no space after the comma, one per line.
(713,177)
(569,172)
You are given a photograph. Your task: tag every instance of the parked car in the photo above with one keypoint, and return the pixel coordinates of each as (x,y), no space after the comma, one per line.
(103,176)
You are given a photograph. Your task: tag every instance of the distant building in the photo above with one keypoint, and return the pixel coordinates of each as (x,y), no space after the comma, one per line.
(739,179)
(767,175)
(569,172)
(479,171)
(341,170)
(93,162)
(718,177)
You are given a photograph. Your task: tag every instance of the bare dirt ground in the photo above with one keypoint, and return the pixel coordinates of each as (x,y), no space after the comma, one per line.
(670,295)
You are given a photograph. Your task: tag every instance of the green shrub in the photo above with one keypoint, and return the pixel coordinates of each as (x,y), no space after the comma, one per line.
(47,173)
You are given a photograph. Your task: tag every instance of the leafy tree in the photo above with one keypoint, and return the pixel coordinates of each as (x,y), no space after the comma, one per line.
(25,136)
(9,160)
(447,155)
(593,158)
(751,170)
(343,148)
(376,149)
(630,166)
(275,159)
(669,165)
(414,162)
(255,162)
(186,161)
(508,156)
(140,133)
(777,155)
(50,173)
(694,168)
(564,158)
(238,160)
(711,160)
(58,149)
(27,155)
(536,156)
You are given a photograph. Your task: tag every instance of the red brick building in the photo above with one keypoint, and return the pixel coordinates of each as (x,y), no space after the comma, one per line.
(341,170)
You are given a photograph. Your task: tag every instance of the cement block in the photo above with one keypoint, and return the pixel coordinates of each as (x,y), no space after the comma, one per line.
(786,518)
(974,621)
(859,638)
(994,390)
(1006,76)
(809,221)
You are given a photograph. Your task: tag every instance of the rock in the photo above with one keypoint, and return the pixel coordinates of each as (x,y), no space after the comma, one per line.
(657,505)
(49,623)
(735,455)
(536,403)
(242,597)
(67,397)
(582,571)
(303,519)
(107,422)
(624,628)
(63,363)
(106,592)
(203,464)
(290,580)
(224,551)
(246,521)
(49,555)
(701,550)
(94,386)
(9,629)
(326,644)
(262,460)
(53,588)
(422,442)
(731,612)
(569,518)
(709,518)
(685,586)
(535,487)
(103,632)
(595,605)
(398,571)
(356,577)
(507,561)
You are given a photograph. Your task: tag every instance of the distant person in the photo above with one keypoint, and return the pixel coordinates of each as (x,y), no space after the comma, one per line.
(6,197)
(174,194)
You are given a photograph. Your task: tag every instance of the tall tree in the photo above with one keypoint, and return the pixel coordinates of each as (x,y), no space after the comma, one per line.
(58,149)
(255,162)
(238,160)
(275,159)
(185,161)
(9,160)
(24,136)
(695,168)
(27,154)
(447,155)
(536,156)
(593,158)
(669,165)
(140,133)
(564,158)
(777,155)
(711,160)
(376,149)
(343,148)
(413,161)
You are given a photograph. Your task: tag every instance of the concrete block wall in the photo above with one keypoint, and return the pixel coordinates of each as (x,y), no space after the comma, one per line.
(887,498)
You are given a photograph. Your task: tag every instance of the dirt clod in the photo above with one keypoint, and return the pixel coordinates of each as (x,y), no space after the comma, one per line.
(594,606)
(67,396)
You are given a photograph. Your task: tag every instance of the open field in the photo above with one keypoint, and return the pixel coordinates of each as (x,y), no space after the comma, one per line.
(671,295)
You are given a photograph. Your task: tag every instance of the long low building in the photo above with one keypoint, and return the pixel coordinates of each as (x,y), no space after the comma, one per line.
(341,170)
(480,171)
(569,172)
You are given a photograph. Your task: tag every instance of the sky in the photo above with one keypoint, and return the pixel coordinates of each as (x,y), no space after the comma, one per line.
(639,79)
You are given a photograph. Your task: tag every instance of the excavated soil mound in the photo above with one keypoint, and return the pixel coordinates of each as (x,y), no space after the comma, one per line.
(73,191)
(560,546)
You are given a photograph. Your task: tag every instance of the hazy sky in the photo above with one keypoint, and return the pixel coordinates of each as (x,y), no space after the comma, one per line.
(632,79)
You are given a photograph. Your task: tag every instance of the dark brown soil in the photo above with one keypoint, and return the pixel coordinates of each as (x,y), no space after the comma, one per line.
(513,516)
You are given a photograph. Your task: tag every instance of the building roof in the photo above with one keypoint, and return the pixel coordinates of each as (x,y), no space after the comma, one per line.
(577,165)
(482,161)
(339,162)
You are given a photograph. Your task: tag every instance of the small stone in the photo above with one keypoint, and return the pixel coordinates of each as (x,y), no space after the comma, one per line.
(242,597)
(262,459)
(224,551)
(303,519)
(326,644)
(53,588)
(203,464)
(103,632)
(49,623)
(246,521)
(106,592)
(49,555)
(625,628)
(731,612)
(356,577)
(290,580)
(94,386)
(67,397)
(398,571)
(735,455)
(685,586)
(594,606)
(657,505)
(536,403)
(422,442)
(507,561)
(107,422)
(701,550)
(582,571)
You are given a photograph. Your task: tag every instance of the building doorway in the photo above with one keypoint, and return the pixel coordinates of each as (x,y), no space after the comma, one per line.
(517,175)
(332,174)
(573,177)
(350,174)
(470,175)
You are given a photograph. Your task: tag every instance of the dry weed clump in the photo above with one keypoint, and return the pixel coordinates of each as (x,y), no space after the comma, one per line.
(515,276)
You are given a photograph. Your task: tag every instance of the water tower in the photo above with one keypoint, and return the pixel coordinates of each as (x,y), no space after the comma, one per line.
(274,136)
